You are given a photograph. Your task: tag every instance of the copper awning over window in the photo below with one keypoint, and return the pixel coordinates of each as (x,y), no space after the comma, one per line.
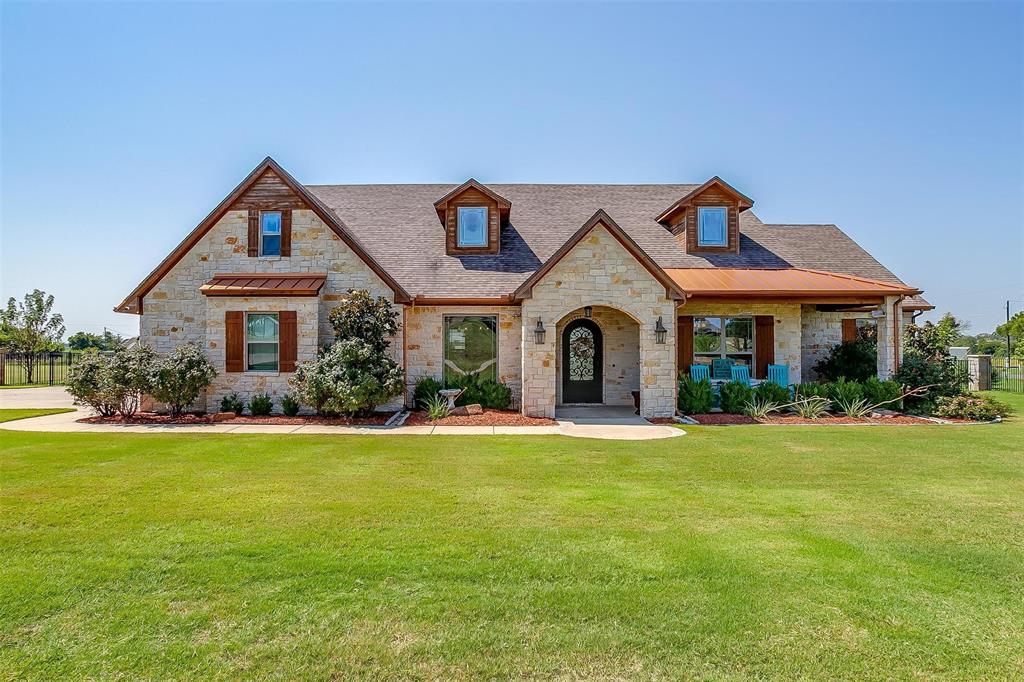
(265,284)
(780,283)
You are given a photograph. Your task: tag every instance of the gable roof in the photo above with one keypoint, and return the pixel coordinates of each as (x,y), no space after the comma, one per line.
(525,290)
(133,302)
(743,200)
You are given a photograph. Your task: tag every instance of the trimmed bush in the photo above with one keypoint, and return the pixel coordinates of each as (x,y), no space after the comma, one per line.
(113,383)
(351,378)
(232,403)
(971,406)
(845,392)
(261,404)
(88,383)
(290,405)
(695,397)
(812,389)
(884,393)
(771,392)
(854,360)
(735,396)
(181,377)
(484,392)
(426,389)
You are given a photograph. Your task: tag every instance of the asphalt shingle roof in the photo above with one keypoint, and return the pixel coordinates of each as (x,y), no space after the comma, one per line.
(398,226)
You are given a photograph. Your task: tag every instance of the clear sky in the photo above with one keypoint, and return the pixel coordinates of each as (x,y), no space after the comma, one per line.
(123,125)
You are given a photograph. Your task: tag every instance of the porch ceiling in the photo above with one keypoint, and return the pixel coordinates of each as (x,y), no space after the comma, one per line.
(780,283)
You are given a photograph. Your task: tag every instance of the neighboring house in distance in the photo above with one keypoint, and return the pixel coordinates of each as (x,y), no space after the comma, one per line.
(629,283)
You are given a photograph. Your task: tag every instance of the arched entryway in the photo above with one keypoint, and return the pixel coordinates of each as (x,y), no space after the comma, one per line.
(582,362)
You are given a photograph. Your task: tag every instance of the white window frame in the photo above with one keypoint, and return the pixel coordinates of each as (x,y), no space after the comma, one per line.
(280,233)
(458,226)
(277,356)
(722,352)
(725,240)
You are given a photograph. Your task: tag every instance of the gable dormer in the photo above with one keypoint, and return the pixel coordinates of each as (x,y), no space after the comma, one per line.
(707,220)
(472,216)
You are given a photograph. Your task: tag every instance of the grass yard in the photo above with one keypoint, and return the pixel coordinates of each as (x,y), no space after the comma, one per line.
(11,415)
(837,552)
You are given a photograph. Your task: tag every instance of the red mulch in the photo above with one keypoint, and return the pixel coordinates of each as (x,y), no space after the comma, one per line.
(151,418)
(719,419)
(662,420)
(488,418)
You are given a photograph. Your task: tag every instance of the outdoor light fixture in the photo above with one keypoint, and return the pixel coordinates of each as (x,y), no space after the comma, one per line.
(587,311)
(538,332)
(659,331)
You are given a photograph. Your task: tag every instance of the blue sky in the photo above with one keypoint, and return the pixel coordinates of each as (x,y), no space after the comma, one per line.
(903,123)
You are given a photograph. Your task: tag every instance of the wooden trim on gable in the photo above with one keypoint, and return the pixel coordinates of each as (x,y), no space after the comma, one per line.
(133,302)
(672,290)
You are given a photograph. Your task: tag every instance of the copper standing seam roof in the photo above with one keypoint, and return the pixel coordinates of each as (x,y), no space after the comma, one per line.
(265,284)
(785,282)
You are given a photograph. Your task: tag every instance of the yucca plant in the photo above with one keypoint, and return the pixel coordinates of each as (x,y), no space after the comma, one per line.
(811,408)
(855,408)
(436,407)
(760,409)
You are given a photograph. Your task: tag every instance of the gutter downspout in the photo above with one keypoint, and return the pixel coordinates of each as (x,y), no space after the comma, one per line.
(897,323)
(405,356)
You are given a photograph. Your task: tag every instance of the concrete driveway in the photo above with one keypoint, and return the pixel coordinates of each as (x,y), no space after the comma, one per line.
(45,396)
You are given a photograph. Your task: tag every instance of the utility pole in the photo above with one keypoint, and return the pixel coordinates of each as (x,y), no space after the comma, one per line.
(1007,333)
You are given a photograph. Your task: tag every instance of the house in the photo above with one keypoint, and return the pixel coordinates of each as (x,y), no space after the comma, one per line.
(568,293)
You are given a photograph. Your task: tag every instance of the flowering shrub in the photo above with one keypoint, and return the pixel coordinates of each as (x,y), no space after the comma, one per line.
(181,377)
(350,378)
(113,384)
(971,406)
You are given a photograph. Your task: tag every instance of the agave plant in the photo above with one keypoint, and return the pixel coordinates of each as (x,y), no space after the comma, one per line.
(811,408)
(436,407)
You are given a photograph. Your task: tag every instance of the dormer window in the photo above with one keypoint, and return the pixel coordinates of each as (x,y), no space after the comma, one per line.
(472,227)
(270,233)
(712,226)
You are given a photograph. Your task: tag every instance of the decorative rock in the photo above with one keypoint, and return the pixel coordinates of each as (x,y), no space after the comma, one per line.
(468,410)
(223,416)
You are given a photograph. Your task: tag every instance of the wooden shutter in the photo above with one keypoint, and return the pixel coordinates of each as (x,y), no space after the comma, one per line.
(850,329)
(254,233)
(764,344)
(289,339)
(286,232)
(684,343)
(234,341)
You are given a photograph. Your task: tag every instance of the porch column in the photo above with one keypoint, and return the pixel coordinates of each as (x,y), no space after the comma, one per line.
(979,368)
(538,371)
(890,337)
(658,383)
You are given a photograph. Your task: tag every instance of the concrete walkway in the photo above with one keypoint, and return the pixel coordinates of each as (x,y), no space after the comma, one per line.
(614,425)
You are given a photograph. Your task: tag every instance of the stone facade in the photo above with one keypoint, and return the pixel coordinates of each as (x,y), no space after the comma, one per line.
(424,343)
(599,271)
(787,326)
(821,332)
(176,312)
(621,348)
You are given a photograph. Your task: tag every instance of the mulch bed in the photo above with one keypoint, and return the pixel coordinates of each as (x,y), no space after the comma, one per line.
(722,419)
(151,418)
(488,418)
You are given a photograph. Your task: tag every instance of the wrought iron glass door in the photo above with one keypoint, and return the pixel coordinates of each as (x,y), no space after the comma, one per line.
(582,362)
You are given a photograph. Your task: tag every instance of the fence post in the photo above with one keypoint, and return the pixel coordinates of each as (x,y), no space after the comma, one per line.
(3,369)
(979,367)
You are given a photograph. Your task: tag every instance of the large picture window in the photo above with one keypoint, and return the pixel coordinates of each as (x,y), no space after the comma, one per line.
(723,337)
(262,341)
(470,346)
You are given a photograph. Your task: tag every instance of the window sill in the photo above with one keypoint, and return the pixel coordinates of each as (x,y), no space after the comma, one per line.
(261,373)
(270,258)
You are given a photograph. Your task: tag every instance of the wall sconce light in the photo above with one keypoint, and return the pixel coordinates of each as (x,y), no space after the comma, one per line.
(659,331)
(588,312)
(539,331)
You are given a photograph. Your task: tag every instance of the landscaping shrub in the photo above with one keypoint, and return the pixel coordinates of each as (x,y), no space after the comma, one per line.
(855,360)
(360,316)
(812,389)
(290,405)
(927,363)
(811,408)
(770,392)
(181,376)
(735,395)
(436,407)
(88,383)
(971,406)
(883,393)
(131,375)
(426,388)
(484,392)
(261,404)
(695,397)
(232,403)
(350,378)
(845,392)
(759,408)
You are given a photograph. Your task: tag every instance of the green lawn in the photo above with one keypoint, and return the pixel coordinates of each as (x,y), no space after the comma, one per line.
(11,415)
(785,552)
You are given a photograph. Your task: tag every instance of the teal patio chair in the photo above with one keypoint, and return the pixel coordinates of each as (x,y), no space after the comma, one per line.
(779,374)
(740,373)
(698,372)
(721,368)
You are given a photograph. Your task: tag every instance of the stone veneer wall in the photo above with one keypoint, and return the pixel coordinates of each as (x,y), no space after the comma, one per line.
(621,347)
(175,312)
(821,331)
(787,326)
(424,343)
(599,272)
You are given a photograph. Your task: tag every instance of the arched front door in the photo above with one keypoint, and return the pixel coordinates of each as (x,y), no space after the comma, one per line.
(582,361)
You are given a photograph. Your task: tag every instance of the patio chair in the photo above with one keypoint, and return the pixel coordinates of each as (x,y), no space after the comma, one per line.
(721,368)
(779,374)
(740,373)
(698,372)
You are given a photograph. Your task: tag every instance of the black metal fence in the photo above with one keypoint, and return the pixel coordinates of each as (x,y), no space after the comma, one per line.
(36,369)
(1008,374)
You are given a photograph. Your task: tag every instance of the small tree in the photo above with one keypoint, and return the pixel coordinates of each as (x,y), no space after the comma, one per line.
(181,377)
(131,371)
(359,316)
(928,365)
(31,327)
(85,341)
(89,384)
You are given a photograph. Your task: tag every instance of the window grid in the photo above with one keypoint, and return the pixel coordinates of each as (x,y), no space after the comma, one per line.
(270,233)
(737,330)
(262,342)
